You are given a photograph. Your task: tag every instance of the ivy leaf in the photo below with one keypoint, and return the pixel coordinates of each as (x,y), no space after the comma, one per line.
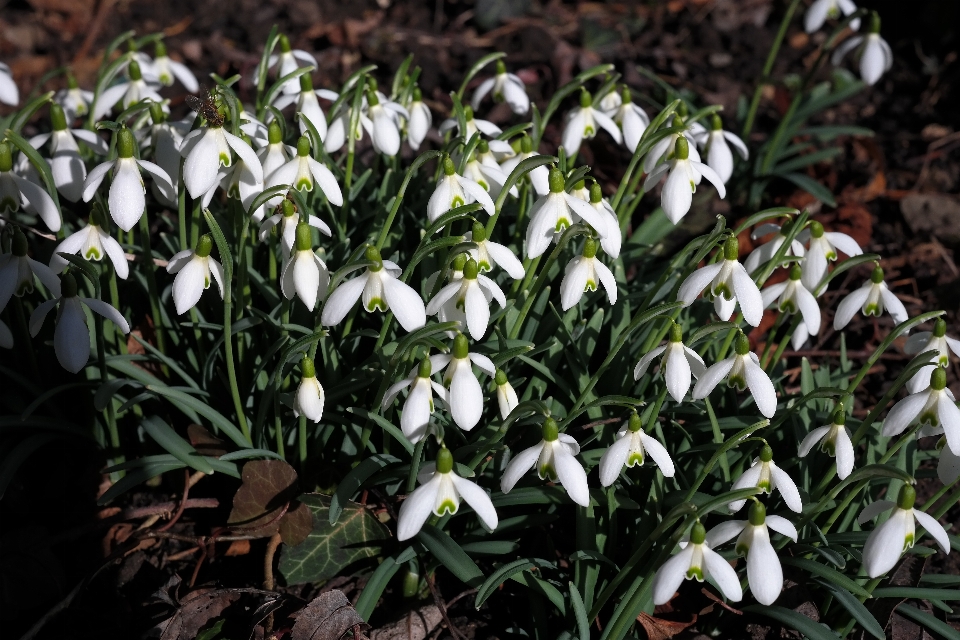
(264,498)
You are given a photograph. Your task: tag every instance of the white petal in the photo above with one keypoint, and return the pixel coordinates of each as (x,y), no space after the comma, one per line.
(670,576)
(844,243)
(874,509)
(41,201)
(677,373)
(659,454)
(770,294)
(572,476)
(934,528)
(309,400)
(748,295)
(574,282)
(711,378)
(645,361)
(71,338)
(816,15)
(478,193)
(724,531)
(749,478)
(478,499)
(573,133)
(763,569)
(246,154)
(126,198)
(787,488)
(813,267)
(761,388)
(849,306)
(949,416)
(342,299)
(607,125)
(477,311)
(948,469)
(607,280)
(845,454)
(416,411)
(903,413)
(39,315)
(108,312)
(697,282)
(69,173)
(201,165)
(723,574)
(188,286)
(809,310)
(710,175)
(482,90)
(71,245)
(519,466)
(116,254)
(94,178)
(811,440)
(719,157)
(406,305)
(417,508)
(873,62)
(613,460)
(885,544)
(466,398)
(893,306)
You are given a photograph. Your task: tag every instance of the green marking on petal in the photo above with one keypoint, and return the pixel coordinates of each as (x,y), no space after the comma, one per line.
(695,573)
(225,159)
(304,184)
(562,224)
(377,304)
(92,254)
(764,485)
(742,549)
(788,306)
(908,541)
(591,286)
(737,381)
(589,132)
(929,417)
(829,447)
(457,202)
(635,458)
(206,283)
(547,472)
(445,507)
(871,310)
(830,255)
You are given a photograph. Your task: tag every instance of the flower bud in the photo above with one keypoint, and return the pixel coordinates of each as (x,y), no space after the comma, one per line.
(307,370)
(204,246)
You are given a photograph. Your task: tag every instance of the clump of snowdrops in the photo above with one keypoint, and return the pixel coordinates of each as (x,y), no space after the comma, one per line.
(481,334)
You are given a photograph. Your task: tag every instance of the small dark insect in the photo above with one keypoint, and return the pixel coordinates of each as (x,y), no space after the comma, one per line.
(206,107)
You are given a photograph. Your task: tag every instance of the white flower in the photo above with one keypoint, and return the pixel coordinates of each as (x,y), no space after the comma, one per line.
(820,10)
(683,176)
(66,165)
(18,271)
(470,297)
(871,299)
(764,572)
(823,248)
(613,239)
(874,52)
(304,273)
(74,100)
(290,60)
(888,541)
(205,150)
(714,144)
(934,406)
(765,252)
(381,121)
(766,475)
(506,395)
(835,441)
(666,148)
(439,494)
(465,396)
(165,139)
(244,183)
(741,370)
(539,177)
(307,105)
(695,560)
(71,338)
(937,341)
(488,175)
(679,362)
(629,449)
(556,211)
(490,254)
(506,87)
(417,409)
(166,70)
(728,283)
(454,191)
(948,468)
(632,119)
(288,219)
(9,94)
(555,460)
(792,297)
(93,243)
(473,125)
(582,124)
(126,93)
(584,273)
(15,190)
(381,290)
(193,269)
(127,199)
(309,398)
(421,119)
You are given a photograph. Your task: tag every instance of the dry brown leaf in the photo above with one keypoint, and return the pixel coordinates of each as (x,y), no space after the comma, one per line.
(663,629)
(328,617)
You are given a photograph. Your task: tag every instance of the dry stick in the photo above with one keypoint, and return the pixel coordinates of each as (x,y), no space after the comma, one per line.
(443,608)
(183,502)
(268,581)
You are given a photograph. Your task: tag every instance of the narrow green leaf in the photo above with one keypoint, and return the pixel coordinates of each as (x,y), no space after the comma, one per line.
(939,627)
(204,409)
(450,555)
(856,609)
(173,444)
(352,482)
(790,618)
(579,612)
(827,573)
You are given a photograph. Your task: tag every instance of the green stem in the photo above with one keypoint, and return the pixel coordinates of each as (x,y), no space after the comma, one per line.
(302,441)
(718,438)
(151,269)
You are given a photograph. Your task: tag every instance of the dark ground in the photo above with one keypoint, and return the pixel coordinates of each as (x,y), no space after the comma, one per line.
(898,193)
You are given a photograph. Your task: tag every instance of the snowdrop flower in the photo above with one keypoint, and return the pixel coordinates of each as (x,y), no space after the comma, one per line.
(834,440)
(610,101)
(93,243)
(166,70)
(556,211)
(9,94)
(633,120)
(307,105)
(538,177)
(666,149)
(165,140)
(683,176)
(679,362)
(381,290)
(303,172)
(888,541)
(304,273)
(766,475)
(765,252)
(275,153)
(473,125)
(506,87)
(874,52)
(792,297)
(714,144)
(506,395)
(948,468)
(696,560)
(288,219)
(629,449)
(465,396)
(439,494)
(381,122)
(309,398)
(18,270)
(193,269)
(820,10)
(415,415)
(421,119)
(934,406)
(126,93)
(582,124)
(74,101)
(728,283)
(206,149)
(823,248)
(935,340)
(764,573)
(871,299)
(66,165)
(584,273)
(71,338)
(743,371)
(126,199)
(614,238)
(15,190)
(471,296)
(453,191)
(244,183)
(290,60)
(555,460)
(488,175)
(489,254)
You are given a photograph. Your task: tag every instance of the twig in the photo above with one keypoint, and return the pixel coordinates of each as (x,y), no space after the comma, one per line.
(268,581)
(442,607)
(183,502)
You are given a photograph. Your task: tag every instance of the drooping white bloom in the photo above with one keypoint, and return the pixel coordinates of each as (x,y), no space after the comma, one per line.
(126,94)
(382,122)
(666,149)
(290,60)
(421,119)
(506,87)
(303,173)
(823,248)
(166,70)
(193,269)
(765,252)
(695,560)
(538,177)
(275,153)
(288,219)
(820,10)
(766,475)
(683,175)
(613,239)
(164,139)
(764,572)
(679,362)
(93,243)
(555,460)
(74,101)
(66,165)
(506,395)
(439,494)
(453,191)
(934,406)
(465,396)
(307,105)
(888,541)
(472,126)
(556,211)
(728,283)
(207,149)
(71,338)
(489,254)
(834,440)
(792,297)
(419,405)
(582,124)
(715,144)
(381,290)
(585,273)
(872,50)
(9,94)
(304,275)
(871,298)
(630,448)
(16,190)
(936,340)
(488,175)
(310,397)
(743,371)
(470,298)
(18,272)
(633,120)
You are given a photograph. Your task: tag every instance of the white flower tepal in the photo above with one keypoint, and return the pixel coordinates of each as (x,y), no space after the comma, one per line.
(9,94)
(468,300)
(792,297)
(823,248)
(454,191)
(935,406)
(506,395)
(630,449)
(16,190)
(872,298)
(820,10)
(872,50)
(583,123)
(555,460)
(678,364)
(556,211)
(586,273)
(506,87)
(305,275)
(728,283)
(937,341)
(683,176)
(419,406)
(309,399)
(834,440)
(465,395)
(767,476)
(697,561)
(743,371)
(194,269)
(715,143)
(93,243)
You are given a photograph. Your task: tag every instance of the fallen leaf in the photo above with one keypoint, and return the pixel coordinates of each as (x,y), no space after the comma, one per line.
(416,625)
(663,629)
(205,442)
(196,610)
(267,489)
(238,548)
(328,617)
